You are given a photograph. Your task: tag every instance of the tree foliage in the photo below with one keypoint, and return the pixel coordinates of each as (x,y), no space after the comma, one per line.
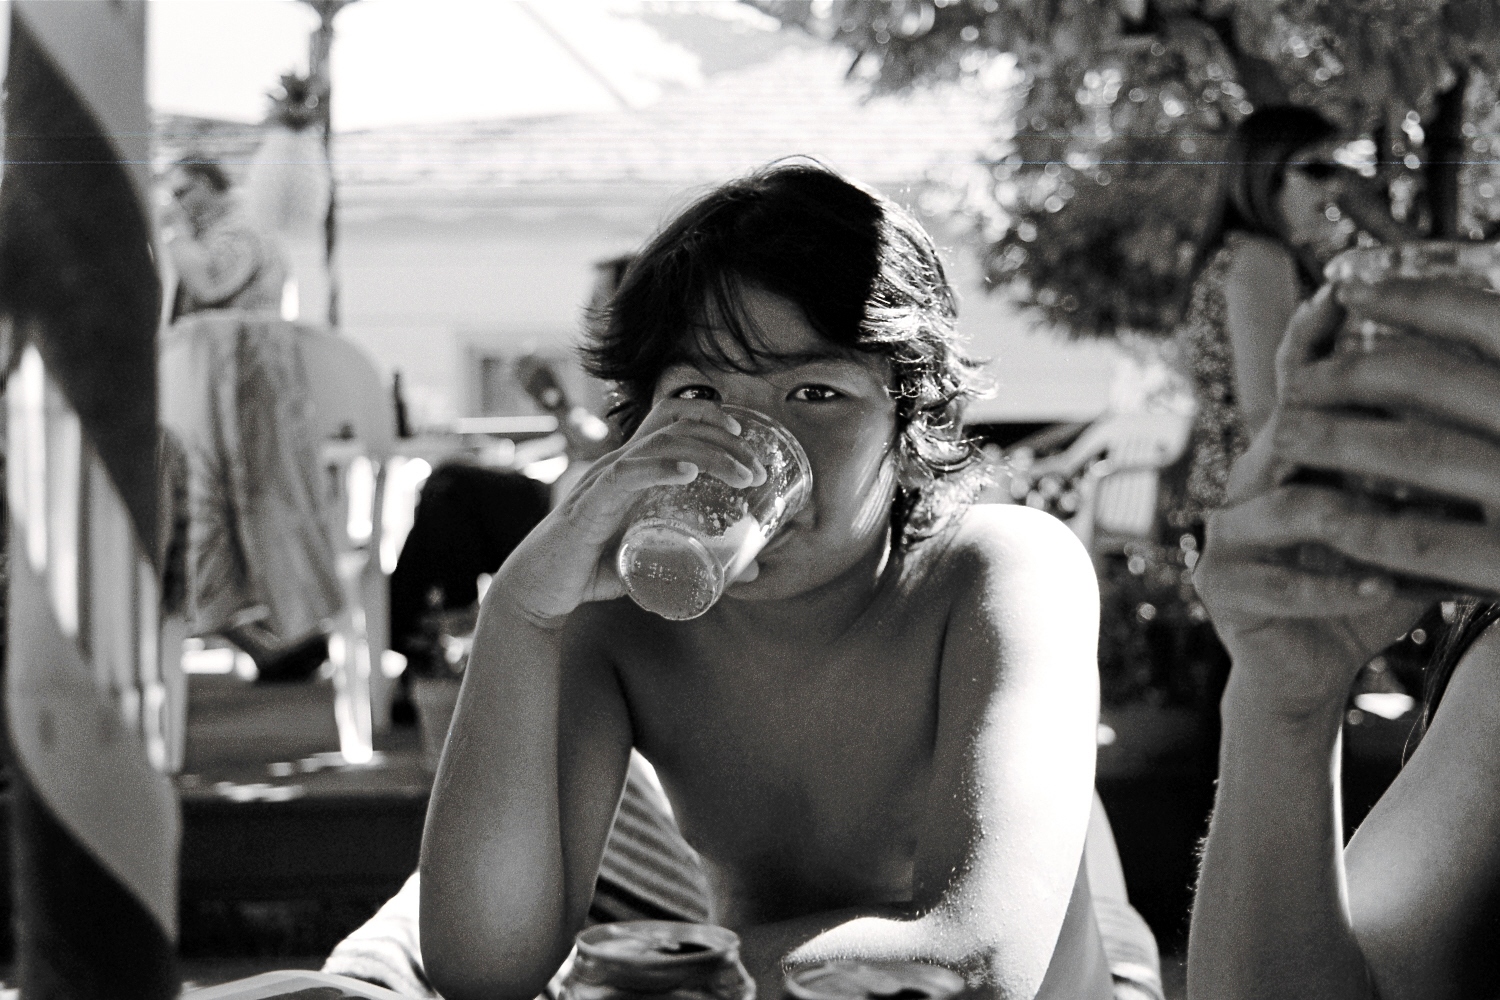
(1103,191)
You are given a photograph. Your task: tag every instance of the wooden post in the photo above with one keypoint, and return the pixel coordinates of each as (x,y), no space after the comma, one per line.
(319,49)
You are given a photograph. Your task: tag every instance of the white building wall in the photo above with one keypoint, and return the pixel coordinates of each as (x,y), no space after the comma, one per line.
(429,288)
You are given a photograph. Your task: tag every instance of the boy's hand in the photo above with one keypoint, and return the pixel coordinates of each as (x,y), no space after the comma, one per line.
(569,559)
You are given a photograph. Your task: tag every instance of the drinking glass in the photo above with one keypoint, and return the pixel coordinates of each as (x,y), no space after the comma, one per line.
(686,543)
(1456,262)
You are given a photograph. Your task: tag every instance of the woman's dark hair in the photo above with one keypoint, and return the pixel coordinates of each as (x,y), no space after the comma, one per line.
(206,170)
(865,275)
(1469,620)
(1266,144)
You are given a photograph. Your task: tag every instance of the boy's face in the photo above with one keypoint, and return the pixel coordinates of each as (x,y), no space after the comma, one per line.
(839,407)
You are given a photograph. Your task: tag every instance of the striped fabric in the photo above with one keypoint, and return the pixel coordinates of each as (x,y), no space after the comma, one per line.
(648,873)
(87,694)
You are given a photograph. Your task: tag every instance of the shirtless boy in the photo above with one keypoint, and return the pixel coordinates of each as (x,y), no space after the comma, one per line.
(881,740)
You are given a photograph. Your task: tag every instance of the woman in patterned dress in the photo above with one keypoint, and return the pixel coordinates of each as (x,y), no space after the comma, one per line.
(1288,210)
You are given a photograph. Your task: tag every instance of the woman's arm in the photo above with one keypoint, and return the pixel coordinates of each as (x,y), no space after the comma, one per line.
(1273,915)
(1424,868)
(1261,291)
(1271,918)
(216,269)
(1276,914)
(1000,847)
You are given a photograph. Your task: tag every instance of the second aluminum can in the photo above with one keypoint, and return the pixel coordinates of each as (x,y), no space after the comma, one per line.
(874,981)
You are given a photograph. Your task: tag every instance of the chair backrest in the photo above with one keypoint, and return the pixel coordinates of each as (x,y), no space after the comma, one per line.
(353,418)
(348,392)
(1119,494)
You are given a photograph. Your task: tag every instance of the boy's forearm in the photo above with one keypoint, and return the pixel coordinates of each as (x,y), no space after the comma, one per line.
(1271,915)
(492,915)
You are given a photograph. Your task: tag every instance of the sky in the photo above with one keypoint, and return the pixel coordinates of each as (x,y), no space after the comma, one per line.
(415,61)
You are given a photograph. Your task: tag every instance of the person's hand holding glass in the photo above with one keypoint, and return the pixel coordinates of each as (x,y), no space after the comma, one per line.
(1308,552)
(1372,492)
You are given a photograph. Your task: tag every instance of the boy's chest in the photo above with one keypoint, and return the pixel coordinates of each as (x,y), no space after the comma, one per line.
(788,764)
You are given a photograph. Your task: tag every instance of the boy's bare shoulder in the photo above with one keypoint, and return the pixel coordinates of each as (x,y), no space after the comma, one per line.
(1009,545)
(1020,592)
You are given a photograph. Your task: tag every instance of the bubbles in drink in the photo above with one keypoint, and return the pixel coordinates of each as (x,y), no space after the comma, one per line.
(669,572)
(690,541)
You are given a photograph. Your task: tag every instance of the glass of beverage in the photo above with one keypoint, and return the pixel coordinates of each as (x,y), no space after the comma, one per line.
(1456,262)
(662,959)
(685,544)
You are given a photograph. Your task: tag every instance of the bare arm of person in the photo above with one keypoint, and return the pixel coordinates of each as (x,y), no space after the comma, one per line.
(540,741)
(1000,845)
(521,807)
(1261,291)
(1278,912)
(1424,868)
(216,269)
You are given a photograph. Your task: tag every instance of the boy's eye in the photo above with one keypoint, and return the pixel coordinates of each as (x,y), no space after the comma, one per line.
(707,392)
(815,393)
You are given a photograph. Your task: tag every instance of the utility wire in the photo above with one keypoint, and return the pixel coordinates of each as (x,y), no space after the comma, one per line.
(576,55)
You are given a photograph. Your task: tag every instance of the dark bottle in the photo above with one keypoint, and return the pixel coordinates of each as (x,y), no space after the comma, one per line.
(660,960)
(398,398)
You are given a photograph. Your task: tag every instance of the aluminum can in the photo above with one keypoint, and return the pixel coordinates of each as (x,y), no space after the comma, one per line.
(874,981)
(657,960)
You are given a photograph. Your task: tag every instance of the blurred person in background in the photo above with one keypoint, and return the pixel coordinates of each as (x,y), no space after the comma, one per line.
(222,261)
(1288,209)
(1407,909)
(235,400)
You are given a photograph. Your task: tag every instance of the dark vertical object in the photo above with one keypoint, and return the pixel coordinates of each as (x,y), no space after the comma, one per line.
(79,292)
(398,398)
(330,221)
(1445,145)
(80,933)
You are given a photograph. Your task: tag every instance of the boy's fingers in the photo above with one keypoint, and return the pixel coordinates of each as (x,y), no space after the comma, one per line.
(1309,333)
(705,411)
(1436,308)
(681,432)
(708,457)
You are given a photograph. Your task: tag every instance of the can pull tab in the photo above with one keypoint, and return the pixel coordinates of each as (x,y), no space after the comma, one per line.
(682,948)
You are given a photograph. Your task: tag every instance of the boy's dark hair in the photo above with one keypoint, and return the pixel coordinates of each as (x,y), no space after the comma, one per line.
(864,273)
(209,171)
